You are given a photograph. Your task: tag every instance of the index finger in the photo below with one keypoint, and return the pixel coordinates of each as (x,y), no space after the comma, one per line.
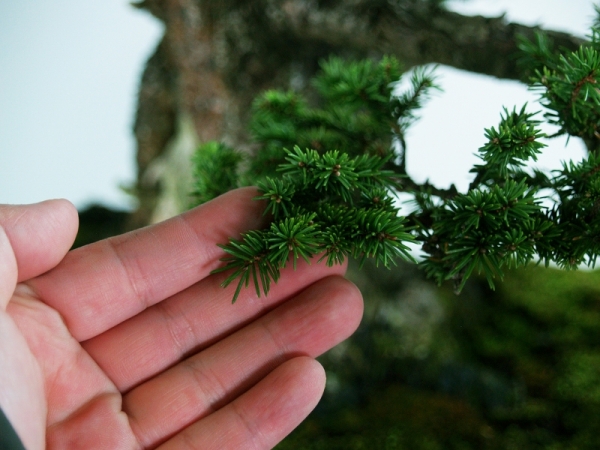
(100,285)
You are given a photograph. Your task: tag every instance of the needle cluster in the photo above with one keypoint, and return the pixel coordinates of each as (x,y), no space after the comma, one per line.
(322,204)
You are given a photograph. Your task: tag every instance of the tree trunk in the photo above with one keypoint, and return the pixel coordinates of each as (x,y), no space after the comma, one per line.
(216,56)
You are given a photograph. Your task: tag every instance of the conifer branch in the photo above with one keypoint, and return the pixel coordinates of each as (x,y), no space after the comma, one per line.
(328,175)
(327,204)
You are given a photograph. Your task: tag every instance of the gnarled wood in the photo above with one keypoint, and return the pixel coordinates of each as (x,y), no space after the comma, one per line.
(216,56)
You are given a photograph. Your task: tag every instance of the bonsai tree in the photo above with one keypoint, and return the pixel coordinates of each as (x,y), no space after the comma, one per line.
(329,166)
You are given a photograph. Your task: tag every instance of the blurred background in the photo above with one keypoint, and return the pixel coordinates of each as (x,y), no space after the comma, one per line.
(102,102)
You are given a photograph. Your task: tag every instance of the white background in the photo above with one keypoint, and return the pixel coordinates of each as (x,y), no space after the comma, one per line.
(69,73)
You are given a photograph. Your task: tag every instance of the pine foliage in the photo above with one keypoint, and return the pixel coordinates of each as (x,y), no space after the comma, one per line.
(328,170)
(329,204)
(214,171)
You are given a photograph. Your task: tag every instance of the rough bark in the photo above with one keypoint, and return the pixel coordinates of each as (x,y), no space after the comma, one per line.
(154,127)
(216,56)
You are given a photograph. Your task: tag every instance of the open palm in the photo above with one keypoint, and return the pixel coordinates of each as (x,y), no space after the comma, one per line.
(131,343)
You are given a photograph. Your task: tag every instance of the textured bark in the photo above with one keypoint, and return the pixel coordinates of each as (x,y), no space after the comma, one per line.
(154,127)
(216,56)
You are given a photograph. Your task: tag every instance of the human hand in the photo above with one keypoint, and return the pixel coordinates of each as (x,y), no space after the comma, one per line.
(130,342)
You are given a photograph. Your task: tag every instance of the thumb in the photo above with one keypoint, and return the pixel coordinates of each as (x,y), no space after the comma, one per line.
(40,234)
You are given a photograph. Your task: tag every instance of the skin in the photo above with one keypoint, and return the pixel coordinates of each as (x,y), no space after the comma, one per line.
(130,343)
